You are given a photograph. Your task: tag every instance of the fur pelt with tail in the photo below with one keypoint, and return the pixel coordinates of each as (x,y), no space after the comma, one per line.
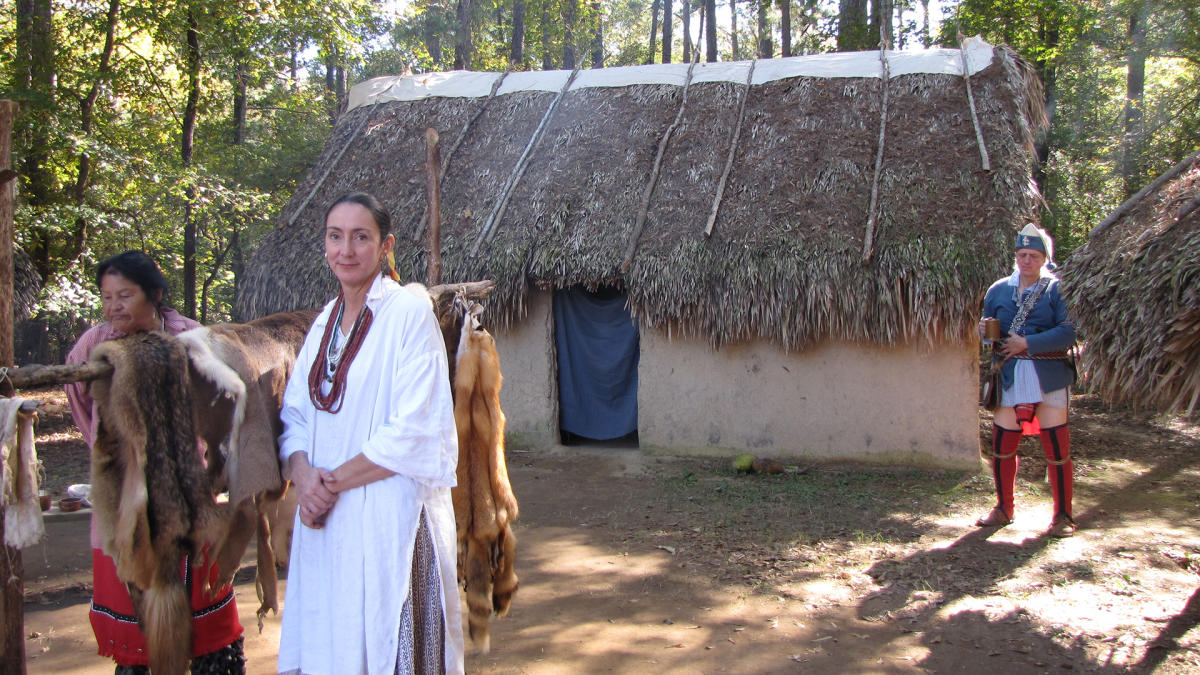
(152,498)
(239,372)
(484,504)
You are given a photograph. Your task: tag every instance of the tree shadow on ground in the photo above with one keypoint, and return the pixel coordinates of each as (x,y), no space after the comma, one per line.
(1167,641)
(973,565)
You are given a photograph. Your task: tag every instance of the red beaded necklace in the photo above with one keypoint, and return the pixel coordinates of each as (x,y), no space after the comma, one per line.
(332,402)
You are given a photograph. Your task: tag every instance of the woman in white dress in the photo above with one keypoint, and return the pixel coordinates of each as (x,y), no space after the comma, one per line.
(370,445)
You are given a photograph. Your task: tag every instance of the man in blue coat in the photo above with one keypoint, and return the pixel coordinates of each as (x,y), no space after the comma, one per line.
(1036,374)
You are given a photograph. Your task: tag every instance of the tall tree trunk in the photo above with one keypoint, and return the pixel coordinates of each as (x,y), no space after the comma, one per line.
(331,83)
(516,54)
(432,35)
(687,31)
(765,47)
(653,30)
(710,30)
(192,59)
(499,26)
(598,36)
(212,276)
(873,24)
(1133,141)
(880,29)
(238,266)
(570,14)
(852,25)
(34,71)
(339,79)
(1048,35)
(926,40)
(785,27)
(668,25)
(547,56)
(87,114)
(462,36)
(898,38)
(239,101)
(733,32)
(293,64)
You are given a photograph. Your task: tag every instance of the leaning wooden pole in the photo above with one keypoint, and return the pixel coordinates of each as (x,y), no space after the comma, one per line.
(12,647)
(1127,206)
(433,195)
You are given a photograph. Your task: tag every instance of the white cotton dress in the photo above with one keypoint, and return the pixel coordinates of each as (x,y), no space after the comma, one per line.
(348,581)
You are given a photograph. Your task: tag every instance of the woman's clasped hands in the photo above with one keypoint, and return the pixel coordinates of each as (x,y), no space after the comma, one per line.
(314,496)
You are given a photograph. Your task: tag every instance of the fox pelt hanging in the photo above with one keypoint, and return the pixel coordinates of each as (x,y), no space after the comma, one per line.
(484,504)
(152,499)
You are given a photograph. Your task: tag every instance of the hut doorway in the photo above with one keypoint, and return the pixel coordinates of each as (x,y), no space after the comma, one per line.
(597,345)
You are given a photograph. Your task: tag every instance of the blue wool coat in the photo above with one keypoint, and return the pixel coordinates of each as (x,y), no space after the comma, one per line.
(1048,328)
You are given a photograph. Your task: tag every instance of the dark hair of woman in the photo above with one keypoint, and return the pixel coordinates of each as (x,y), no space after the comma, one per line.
(383,220)
(138,268)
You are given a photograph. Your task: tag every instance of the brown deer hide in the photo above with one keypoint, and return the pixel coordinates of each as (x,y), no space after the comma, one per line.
(239,372)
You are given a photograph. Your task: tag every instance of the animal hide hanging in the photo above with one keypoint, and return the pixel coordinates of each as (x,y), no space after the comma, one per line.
(22,511)
(239,373)
(152,499)
(484,504)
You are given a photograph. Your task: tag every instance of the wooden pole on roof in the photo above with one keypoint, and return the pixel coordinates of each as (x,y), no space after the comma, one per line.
(12,646)
(1183,165)
(433,195)
(885,76)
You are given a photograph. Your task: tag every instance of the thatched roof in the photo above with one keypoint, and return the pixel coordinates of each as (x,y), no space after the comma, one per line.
(785,260)
(27,285)
(1134,289)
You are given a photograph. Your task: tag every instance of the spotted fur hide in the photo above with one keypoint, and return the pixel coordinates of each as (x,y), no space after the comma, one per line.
(152,498)
(239,372)
(484,504)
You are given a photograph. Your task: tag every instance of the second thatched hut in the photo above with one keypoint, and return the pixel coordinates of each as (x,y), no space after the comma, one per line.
(715,258)
(1134,289)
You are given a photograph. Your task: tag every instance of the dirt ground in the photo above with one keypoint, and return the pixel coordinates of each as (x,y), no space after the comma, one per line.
(632,563)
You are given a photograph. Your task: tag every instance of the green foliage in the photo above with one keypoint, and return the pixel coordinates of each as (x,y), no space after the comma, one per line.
(1080,50)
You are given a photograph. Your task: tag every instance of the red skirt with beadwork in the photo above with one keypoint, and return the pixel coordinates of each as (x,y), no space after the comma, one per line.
(214,617)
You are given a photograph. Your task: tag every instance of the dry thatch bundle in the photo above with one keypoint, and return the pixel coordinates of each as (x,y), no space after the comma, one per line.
(785,260)
(27,285)
(1134,289)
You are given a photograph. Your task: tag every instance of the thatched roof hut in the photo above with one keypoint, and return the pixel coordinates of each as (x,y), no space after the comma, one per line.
(822,235)
(1134,289)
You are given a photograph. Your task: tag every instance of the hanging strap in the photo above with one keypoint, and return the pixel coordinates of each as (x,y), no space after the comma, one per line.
(1027,304)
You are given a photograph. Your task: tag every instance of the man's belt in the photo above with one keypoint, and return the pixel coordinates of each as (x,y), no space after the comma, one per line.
(1044,356)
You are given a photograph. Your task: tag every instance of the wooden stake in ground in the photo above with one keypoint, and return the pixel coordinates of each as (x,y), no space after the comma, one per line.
(433,194)
(12,646)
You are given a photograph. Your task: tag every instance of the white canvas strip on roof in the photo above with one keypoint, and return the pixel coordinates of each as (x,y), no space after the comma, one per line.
(470,84)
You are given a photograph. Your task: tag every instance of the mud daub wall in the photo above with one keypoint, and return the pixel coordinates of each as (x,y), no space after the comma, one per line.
(904,406)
